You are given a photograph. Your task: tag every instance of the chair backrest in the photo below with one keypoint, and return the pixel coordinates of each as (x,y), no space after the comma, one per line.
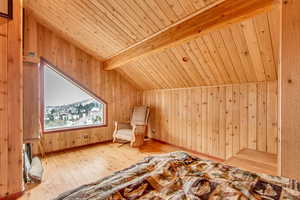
(140,115)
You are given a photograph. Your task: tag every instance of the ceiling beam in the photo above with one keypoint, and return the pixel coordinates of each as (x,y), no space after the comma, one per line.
(223,13)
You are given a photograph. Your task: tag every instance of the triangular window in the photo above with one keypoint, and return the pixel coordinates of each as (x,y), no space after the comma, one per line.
(68,105)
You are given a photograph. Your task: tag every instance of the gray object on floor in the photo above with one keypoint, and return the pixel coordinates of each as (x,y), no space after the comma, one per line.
(36,170)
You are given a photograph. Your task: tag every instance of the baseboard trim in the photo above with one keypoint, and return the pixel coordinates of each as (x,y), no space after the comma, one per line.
(160,141)
(191,151)
(12,196)
(75,147)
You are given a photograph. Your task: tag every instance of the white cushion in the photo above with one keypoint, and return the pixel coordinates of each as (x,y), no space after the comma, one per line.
(124,134)
(139,115)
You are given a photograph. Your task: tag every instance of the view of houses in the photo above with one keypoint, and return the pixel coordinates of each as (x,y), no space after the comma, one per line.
(83,113)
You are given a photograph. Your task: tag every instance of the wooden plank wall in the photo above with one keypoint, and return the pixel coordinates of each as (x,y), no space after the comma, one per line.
(109,85)
(216,120)
(289,90)
(3,6)
(11,135)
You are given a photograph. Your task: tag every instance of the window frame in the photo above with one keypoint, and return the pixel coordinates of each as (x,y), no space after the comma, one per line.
(45,63)
(9,14)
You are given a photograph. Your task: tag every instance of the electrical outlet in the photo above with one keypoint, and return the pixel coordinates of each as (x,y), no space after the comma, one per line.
(153,131)
(86,136)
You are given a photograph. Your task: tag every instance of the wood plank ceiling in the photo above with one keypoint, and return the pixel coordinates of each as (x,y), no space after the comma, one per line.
(243,52)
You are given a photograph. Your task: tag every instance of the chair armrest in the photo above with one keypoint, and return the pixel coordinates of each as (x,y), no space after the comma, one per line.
(139,129)
(121,125)
(123,122)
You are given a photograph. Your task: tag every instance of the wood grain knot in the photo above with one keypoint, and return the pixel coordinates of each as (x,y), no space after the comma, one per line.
(185,59)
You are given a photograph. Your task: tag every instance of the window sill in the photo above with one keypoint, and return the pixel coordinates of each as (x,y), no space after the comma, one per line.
(72,129)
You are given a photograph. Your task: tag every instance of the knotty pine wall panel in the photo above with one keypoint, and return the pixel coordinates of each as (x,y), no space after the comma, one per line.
(11,133)
(109,85)
(216,120)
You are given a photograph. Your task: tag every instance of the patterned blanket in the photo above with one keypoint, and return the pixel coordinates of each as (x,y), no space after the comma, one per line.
(179,175)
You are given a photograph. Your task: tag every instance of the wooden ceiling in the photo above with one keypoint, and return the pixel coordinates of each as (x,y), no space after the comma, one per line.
(109,26)
(244,52)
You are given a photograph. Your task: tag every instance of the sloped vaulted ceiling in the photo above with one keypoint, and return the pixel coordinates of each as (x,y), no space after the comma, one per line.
(243,52)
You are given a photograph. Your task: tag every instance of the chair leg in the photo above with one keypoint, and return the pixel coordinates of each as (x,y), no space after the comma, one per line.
(114,140)
(41,148)
(132,143)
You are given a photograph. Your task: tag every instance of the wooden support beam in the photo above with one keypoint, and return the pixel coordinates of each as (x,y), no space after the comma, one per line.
(220,14)
(289,90)
(11,117)
(30,35)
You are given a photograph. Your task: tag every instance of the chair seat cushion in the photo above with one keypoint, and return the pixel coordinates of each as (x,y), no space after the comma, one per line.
(124,134)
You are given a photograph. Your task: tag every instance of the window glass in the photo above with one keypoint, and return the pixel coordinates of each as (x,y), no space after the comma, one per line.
(67,105)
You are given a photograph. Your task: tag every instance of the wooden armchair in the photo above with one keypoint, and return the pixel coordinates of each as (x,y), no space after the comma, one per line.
(135,130)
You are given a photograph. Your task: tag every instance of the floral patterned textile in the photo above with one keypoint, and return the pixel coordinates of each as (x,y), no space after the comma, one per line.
(178,175)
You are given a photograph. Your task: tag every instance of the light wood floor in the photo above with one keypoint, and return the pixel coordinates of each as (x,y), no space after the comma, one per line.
(69,169)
